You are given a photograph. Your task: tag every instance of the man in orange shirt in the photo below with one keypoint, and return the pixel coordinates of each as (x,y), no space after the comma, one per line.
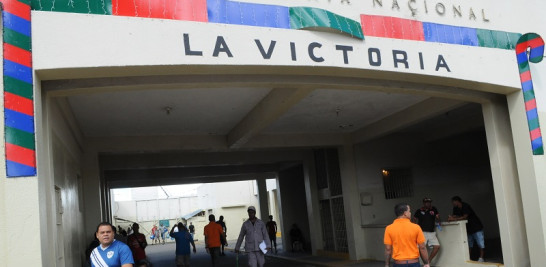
(404,240)
(213,231)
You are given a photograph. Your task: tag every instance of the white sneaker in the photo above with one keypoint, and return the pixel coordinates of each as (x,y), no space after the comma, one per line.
(480,260)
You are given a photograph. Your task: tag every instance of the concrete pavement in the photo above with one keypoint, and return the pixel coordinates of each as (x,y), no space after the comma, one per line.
(163,256)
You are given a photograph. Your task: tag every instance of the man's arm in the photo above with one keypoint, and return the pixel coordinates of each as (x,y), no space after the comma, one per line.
(457,218)
(415,220)
(424,254)
(240,239)
(172,230)
(388,252)
(127,265)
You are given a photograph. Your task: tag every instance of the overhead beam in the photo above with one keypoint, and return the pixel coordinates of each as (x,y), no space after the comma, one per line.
(273,106)
(419,112)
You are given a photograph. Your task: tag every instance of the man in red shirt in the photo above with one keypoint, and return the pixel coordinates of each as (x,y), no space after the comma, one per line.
(213,232)
(137,243)
(404,240)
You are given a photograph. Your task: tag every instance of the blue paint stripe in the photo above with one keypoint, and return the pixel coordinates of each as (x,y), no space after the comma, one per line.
(19,120)
(15,169)
(441,33)
(522,57)
(16,23)
(537,143)
(532,114)
(527,86)
(239,13)
(17,71)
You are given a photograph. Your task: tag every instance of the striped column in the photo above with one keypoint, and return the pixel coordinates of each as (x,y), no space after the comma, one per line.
(536,52)
(18,89)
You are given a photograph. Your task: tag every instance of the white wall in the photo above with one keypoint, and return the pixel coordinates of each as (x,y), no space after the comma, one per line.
(440,170)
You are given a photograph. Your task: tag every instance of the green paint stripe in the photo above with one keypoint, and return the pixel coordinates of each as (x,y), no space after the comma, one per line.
(16,39)
(308,17)
(538,151)
(18,87)
(100,7)
(20,138)
(528,36)
(523,67)
(497,39)
(533,124)
(528,95)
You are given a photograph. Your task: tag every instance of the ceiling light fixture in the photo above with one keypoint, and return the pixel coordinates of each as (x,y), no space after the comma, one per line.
(168,110)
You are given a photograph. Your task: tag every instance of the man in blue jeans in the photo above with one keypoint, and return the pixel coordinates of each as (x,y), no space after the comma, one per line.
(474,227)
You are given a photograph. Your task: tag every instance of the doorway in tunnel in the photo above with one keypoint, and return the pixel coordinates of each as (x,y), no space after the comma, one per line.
(439,158)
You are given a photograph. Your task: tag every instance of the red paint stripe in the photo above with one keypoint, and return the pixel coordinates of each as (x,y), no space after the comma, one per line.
(18,55)
(525,76)
(17,8)
(21,155)
(531,104)
(535,134)
(189,10)
(390,27)
(18,103)
(536,42)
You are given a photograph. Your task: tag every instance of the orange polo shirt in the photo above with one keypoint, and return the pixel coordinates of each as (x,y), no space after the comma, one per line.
(404,237)
(212,233)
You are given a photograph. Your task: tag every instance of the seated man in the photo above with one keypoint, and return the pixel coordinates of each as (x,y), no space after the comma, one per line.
(296,236)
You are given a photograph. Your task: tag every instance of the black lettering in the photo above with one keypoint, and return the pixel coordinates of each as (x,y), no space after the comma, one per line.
(311,49)
(187,48)
(403,60)
(344,48)
(269,50)
(293,51)
(421,61)
(377,61)
(441,63)
(221,46)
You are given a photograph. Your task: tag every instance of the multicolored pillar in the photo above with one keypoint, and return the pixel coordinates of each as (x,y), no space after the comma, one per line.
(20,140)
(535,44)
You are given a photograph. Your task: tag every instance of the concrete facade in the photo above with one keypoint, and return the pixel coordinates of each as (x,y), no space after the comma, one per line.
(250,114)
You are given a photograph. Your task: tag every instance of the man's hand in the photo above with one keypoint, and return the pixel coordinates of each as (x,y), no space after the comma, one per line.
(426,265)
(237,250)
(208,251)
(268,248)
(194,250)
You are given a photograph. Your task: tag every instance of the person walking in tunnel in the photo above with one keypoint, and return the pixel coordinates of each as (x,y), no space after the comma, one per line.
(223,240)
(192,230)
(474,227)
(404,240)
(213,235)
(137,243)
(255,233)
(272,232)
(183,240)
(427,217)
(110,252)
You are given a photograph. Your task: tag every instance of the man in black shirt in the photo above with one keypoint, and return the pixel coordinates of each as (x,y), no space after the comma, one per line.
(474,227)
(223,240)
(426,217)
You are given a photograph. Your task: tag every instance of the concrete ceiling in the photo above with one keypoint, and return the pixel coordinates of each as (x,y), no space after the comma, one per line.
(334,111)
(193,111)
(217,111)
